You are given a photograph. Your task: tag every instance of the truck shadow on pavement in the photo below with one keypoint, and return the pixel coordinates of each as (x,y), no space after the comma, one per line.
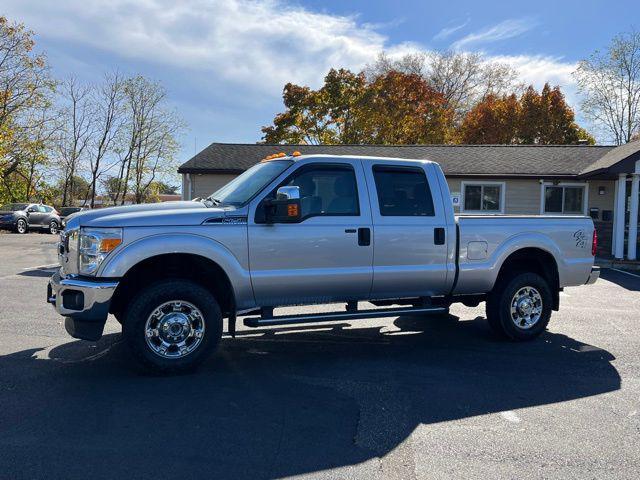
(275,403)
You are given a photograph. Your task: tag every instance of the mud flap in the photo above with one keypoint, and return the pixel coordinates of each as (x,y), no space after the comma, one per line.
(232,325)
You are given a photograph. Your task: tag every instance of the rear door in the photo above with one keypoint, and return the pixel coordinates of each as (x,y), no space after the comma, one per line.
(410,253)
(328,255)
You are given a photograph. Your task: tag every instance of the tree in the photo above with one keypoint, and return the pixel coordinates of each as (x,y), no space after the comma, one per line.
(148,140)
(75,134)
(395,107)
(465,79)
(462,78)
(492,121)
(80,188)
(534,118)
(324,116)
(610,84)
(108,109)
(25,95)
(163,188)
(401,108)
(112,187)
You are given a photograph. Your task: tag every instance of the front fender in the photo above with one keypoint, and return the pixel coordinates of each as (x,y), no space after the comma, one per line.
(185,243)
(480,276)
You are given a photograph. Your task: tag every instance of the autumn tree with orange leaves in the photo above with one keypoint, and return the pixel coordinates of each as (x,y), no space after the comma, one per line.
(394,107)
(390,106)
(533,118)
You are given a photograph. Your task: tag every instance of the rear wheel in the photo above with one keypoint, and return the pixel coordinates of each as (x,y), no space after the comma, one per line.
(53,227)
(21,226)
(519,307)
(172,326)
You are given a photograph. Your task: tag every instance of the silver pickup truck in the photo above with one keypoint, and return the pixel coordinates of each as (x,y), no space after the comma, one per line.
(302,230)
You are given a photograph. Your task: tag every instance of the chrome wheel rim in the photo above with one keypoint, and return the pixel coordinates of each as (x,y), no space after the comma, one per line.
(22,226)
(53,228)
(174,329)
(526,307)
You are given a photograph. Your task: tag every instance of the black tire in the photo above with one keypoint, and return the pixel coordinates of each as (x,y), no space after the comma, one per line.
(499,306)
(22,226)
(53,227)
(146,301)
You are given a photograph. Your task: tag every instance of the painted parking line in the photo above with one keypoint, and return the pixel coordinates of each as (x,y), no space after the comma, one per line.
(625,272)
(42,267)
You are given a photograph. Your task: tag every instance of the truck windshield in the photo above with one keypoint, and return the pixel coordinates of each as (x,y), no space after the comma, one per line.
(242,189)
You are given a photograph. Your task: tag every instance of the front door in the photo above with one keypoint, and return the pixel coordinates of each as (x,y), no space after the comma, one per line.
(328,255)
(411,248)
(37,215)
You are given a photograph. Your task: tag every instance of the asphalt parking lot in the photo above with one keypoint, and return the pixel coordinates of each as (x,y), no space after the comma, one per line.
(403,398)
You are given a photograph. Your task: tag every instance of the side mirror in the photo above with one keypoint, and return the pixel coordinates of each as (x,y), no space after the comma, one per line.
(285,208)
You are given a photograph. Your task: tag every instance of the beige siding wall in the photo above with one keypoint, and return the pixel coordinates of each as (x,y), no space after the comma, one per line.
(603,202)
(204,185)
(521,196)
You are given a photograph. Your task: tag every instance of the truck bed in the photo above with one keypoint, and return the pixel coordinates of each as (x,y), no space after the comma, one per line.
(485,241)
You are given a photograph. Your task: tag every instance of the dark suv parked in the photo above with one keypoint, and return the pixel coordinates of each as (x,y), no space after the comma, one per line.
(21,217)
(66,211)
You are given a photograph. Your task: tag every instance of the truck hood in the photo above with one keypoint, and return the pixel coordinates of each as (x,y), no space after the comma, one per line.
(146,215)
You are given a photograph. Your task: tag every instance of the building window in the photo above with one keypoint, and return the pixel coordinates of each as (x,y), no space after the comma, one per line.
(564,199)
(483,197)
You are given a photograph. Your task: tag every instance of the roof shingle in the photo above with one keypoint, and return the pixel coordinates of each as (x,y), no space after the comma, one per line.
(516,160)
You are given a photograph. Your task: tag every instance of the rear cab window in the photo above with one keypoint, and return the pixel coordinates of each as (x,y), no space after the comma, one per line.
(403,191)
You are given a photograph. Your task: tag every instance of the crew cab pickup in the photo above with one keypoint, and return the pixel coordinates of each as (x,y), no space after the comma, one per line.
(302,230)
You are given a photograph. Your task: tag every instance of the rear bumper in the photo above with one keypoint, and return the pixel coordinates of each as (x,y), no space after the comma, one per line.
(84,303)
(594,275)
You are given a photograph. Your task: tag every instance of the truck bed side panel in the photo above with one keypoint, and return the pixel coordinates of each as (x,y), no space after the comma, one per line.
(487,241)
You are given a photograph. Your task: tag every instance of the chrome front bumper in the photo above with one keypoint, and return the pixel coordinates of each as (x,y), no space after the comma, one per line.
(595,274)
(84,302)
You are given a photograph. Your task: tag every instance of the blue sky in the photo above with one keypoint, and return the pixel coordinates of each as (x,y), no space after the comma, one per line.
(224,62)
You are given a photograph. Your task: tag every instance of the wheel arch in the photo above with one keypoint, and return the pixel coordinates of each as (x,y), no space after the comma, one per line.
(535,260)
(185,266)
(183,255)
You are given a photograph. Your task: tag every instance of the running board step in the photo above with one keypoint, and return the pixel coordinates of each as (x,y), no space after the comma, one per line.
(333,316)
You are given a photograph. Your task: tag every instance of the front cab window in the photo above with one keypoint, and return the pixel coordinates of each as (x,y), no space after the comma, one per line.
(325,190)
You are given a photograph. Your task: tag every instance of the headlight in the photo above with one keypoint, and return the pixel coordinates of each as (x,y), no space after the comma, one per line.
(95,245)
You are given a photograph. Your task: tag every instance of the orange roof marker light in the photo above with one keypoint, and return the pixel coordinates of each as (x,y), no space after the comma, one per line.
(273,156)
(296,154)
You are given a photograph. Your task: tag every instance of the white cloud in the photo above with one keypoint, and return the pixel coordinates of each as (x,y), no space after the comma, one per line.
(231,58)
(258,44)
(538,69)
(446,32)
(501,31)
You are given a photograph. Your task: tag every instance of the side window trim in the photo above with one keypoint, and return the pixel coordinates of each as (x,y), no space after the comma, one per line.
(403,169)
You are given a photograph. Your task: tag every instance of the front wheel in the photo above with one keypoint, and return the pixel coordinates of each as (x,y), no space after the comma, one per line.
(53,227)
(21,226)
(172,326)
(519,307)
